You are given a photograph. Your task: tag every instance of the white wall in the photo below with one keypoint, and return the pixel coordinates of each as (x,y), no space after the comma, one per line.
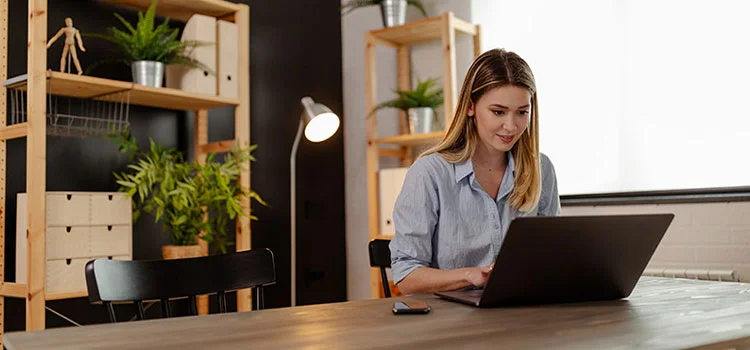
(427,61)
(707,236)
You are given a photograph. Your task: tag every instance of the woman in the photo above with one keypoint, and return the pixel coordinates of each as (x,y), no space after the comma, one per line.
(459,197)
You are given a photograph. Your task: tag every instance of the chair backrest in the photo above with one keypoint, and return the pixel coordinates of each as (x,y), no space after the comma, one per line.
(117,281)
(380,256)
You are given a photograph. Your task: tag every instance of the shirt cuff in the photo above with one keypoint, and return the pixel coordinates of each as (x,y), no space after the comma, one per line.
(402,269)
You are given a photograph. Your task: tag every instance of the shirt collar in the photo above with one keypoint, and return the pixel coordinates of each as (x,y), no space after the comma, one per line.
(466,167)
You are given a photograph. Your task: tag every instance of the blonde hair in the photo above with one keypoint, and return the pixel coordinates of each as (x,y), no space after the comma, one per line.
(496,68)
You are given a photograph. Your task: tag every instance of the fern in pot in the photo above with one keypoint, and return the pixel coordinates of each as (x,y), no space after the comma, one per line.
(193,201)
(148,48)
(419,105)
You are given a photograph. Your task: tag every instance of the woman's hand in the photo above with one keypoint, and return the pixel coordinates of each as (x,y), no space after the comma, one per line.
(478,276)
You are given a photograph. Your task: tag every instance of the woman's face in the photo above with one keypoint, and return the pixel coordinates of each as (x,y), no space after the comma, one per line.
(502,115)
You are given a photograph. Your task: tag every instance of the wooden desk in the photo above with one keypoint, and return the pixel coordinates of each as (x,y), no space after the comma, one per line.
(660,314)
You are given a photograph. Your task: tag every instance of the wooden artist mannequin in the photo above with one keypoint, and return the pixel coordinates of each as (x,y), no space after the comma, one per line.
(71,34)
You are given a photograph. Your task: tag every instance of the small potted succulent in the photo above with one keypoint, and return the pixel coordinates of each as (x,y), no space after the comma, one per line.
(148,48)
(392,11)
(419,104)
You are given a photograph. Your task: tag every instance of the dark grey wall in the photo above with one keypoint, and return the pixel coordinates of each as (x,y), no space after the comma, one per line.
(293,54)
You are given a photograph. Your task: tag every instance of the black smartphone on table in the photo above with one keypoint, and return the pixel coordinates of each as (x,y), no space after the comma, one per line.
(411,307)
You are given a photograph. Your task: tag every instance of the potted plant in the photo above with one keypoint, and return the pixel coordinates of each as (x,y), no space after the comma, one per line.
(148,48)
(419,104)
(392,11)
(188,198)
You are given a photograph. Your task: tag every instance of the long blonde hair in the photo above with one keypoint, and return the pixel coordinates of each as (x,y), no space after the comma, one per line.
(496,68)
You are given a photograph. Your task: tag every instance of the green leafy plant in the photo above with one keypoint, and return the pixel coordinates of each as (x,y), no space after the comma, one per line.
(426,94)
(352,5)
(187,197)
(145,41)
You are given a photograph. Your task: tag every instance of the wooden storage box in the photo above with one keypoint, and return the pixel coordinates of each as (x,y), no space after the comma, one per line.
(81,226)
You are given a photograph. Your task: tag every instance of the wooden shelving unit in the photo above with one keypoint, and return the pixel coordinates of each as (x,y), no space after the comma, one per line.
(39,82)
(443,28)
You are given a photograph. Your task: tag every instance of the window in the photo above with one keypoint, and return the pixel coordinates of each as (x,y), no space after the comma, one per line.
(634,95)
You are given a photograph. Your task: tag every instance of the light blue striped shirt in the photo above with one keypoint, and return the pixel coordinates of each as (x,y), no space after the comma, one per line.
(445,220)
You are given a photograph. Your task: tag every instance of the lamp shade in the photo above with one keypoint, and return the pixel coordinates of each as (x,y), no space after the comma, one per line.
(320,122)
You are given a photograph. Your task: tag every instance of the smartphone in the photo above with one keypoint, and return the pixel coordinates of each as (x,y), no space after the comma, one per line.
(412,307)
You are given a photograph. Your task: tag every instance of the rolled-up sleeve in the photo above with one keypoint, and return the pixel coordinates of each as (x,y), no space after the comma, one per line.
(415,216)
(549,201)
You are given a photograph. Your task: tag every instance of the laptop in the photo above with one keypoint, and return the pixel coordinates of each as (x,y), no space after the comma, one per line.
(562,259)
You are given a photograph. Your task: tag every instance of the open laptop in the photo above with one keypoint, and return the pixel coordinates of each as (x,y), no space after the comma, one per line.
(563,259)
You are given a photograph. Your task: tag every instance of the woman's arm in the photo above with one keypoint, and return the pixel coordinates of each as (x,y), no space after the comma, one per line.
(416,214)
(429,280)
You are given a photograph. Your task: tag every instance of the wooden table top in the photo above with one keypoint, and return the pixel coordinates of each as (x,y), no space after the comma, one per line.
(660,314)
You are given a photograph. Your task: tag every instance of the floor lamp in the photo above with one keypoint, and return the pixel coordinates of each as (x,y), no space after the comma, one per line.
(319,124)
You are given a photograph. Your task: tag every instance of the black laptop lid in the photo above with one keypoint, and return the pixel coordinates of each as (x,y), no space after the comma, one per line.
(573,258)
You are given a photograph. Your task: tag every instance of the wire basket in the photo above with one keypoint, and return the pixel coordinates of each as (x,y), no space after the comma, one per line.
(76,117)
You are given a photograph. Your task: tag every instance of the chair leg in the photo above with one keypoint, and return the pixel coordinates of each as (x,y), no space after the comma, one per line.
(111,311)
(193,309)
(384,279)
(259,298)
(222,302)
(166,310)
(141,310)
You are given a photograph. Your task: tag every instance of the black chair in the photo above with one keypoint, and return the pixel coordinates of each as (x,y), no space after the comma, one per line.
(380,256)
(111,281)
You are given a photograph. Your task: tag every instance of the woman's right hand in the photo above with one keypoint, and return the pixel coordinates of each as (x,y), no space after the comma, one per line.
(478,276)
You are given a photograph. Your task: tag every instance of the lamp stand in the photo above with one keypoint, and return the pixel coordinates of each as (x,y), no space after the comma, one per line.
(293,206)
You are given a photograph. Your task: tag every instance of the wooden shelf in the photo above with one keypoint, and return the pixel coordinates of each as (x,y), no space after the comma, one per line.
(183,9)
(60,296)
(421,30)
(13,132)
(412,140)
(388,237)
(82,86)
(13,290)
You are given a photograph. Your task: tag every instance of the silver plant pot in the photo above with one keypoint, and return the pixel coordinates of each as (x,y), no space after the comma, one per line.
(393,12)
(421,120)
(149,73)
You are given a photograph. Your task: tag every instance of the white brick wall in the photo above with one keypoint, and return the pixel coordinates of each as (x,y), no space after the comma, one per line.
(713,236)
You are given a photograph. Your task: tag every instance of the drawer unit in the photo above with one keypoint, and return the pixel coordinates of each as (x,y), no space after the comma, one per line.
(81,226)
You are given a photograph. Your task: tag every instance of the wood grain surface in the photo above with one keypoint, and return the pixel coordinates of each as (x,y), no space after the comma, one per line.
(660,314)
